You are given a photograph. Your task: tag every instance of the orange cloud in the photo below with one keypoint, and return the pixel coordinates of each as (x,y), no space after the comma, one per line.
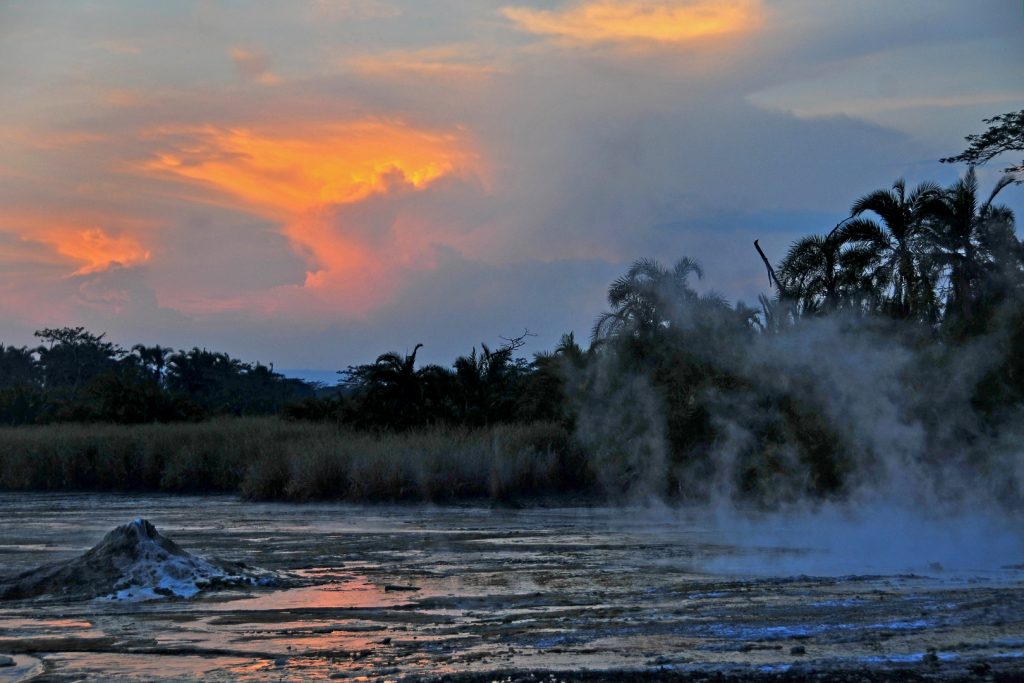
(289,174)
(448,62)
(82,242)
(94,248)
(595,21)
(295,178)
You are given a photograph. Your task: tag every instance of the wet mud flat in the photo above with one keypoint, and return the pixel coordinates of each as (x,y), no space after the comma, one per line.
(477,594)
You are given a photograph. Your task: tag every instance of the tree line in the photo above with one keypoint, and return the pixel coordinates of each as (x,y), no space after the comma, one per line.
(932,276)
(74,375)
(670,374)
(681,390)
(939,256)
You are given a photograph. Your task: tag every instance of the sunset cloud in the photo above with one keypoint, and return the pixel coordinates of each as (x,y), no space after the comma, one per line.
(90,247)
(450,61)
(314,182)
(296,176)
(597,21)
(96,249)
(72,243)
(306,166)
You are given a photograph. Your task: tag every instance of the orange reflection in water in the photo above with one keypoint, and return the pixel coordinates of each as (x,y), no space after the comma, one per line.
(356,592)
(23,623)
(306,668)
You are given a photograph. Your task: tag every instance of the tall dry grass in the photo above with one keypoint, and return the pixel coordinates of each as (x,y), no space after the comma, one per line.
(272,459)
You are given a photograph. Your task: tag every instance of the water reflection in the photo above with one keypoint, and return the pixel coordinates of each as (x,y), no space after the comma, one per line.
(532,589)
(352,593)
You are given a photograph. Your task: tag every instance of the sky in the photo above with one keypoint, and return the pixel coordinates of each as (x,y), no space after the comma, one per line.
(313,183)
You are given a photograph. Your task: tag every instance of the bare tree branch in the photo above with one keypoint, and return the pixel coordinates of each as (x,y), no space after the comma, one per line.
(772,278)
(516,343)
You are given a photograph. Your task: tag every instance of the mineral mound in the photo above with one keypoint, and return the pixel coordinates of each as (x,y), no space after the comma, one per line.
(132,562)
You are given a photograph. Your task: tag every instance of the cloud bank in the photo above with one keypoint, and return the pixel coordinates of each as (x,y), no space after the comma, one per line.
(318,183)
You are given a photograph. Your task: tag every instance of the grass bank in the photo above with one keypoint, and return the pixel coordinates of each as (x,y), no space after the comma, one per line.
(273,459)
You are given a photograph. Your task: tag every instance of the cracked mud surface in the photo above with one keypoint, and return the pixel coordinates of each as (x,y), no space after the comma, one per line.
(519,595)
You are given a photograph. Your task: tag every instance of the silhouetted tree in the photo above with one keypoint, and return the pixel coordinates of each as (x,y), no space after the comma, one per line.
(152,359)
(899,273)
(132,396)
(649,298)
(204,376)
(486,384)
(1005,134)
(388,391)
(21,397)
(70,356)
(823,273)
(972,241)
(18,366)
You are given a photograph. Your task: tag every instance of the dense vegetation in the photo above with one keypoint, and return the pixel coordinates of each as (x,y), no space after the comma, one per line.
(75,375)
(269,458)
(891,350)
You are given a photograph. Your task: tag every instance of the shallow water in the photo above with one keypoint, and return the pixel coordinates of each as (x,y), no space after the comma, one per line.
(500,590)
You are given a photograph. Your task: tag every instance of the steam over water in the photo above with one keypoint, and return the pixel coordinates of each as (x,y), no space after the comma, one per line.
(881,539)
(648,588)
(898,429)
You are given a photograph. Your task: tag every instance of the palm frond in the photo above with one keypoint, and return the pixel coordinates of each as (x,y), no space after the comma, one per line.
(684,267)
(864,230)
(1001,185)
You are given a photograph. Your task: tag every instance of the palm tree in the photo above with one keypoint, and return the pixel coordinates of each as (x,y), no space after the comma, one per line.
(570,351)
(821,273)
(210,379)
(153,359)
(487,383)
(968,239)
(17,366)
(390,387)
(898,270)
(71,356)
(650,299)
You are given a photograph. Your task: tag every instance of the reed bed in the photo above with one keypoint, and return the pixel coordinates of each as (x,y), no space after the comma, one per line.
(273,459)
